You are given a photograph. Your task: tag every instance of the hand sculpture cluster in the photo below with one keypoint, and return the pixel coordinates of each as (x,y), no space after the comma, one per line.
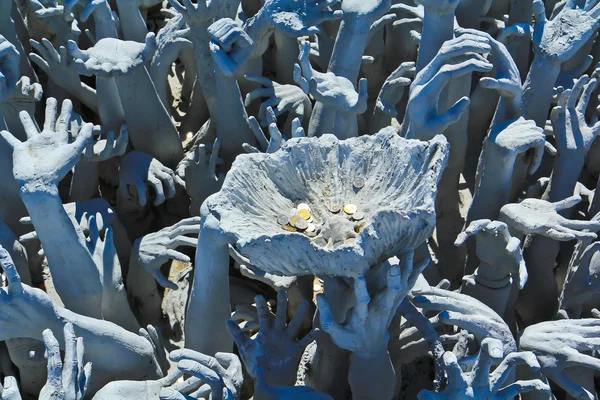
(299,198)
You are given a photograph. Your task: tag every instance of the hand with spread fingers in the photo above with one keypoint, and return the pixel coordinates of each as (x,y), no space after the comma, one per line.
(540,217)
(479,383)
(500,253)
(218,378)
(456,57)
(299,18)
(574,135)
(198,170)
(275,348)
(139,171)
(549,36)
(331,90)
(67,380)
(564,345)
(466,313)
(281,98)
(47,156)
(154,249)
(112,57)
(366,331)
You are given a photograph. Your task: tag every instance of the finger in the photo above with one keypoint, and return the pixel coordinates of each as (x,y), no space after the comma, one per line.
(76,52)
(281,313)
(455,376)
(40,62)
(258,93)
(53,356)
(308,339)
(522,386)
(183,241)
(258,133)
(566,203)
(242,341)
(214,156)
(260,79)
(440,123)
(40,49)
(296,322)
(328,323)
(86,134)
(70,367)
(52,53)
(586,96)
(156,184)
(168,393)
(162,281)
(10,140)
(203,359)
(202,372)
(264,315)
(15,287)
(175,255)
(64,119)
(593,226)
(473,228)
(362,298)
(577,90)
(29,126)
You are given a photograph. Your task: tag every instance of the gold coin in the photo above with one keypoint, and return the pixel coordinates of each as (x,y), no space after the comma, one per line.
(301,223)
(350,241)
(303,206)
(304,213)
(288,228)
(293,220)
(357,216)
(350,209)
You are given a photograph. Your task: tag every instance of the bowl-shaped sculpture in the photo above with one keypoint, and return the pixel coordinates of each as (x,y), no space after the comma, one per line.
(365,199)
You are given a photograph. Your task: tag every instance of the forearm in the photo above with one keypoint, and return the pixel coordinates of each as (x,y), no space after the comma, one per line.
(436,30)
(84,183)
(259,29)
(538,89)
(86,95)
(208,304)
(565,174)
(143,294)
(133,25)
(105,343)
(373,377)
(205,67)
(232,121)
(159,73)
(350,45)
(494,176)
(493,291)
(104,22)
(73,270)
(150,127)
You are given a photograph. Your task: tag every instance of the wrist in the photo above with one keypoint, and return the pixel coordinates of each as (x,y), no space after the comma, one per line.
(37,187)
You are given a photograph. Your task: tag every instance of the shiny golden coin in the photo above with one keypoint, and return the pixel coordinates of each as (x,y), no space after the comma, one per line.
(301,223)
(311,228)
(282,220)
(304,213)
(303,206)
(357,216)
(350,209)
(292,220)
(358,183)
(350,240)
(288,228)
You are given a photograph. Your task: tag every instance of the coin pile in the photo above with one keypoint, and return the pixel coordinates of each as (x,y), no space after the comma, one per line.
(299,219)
